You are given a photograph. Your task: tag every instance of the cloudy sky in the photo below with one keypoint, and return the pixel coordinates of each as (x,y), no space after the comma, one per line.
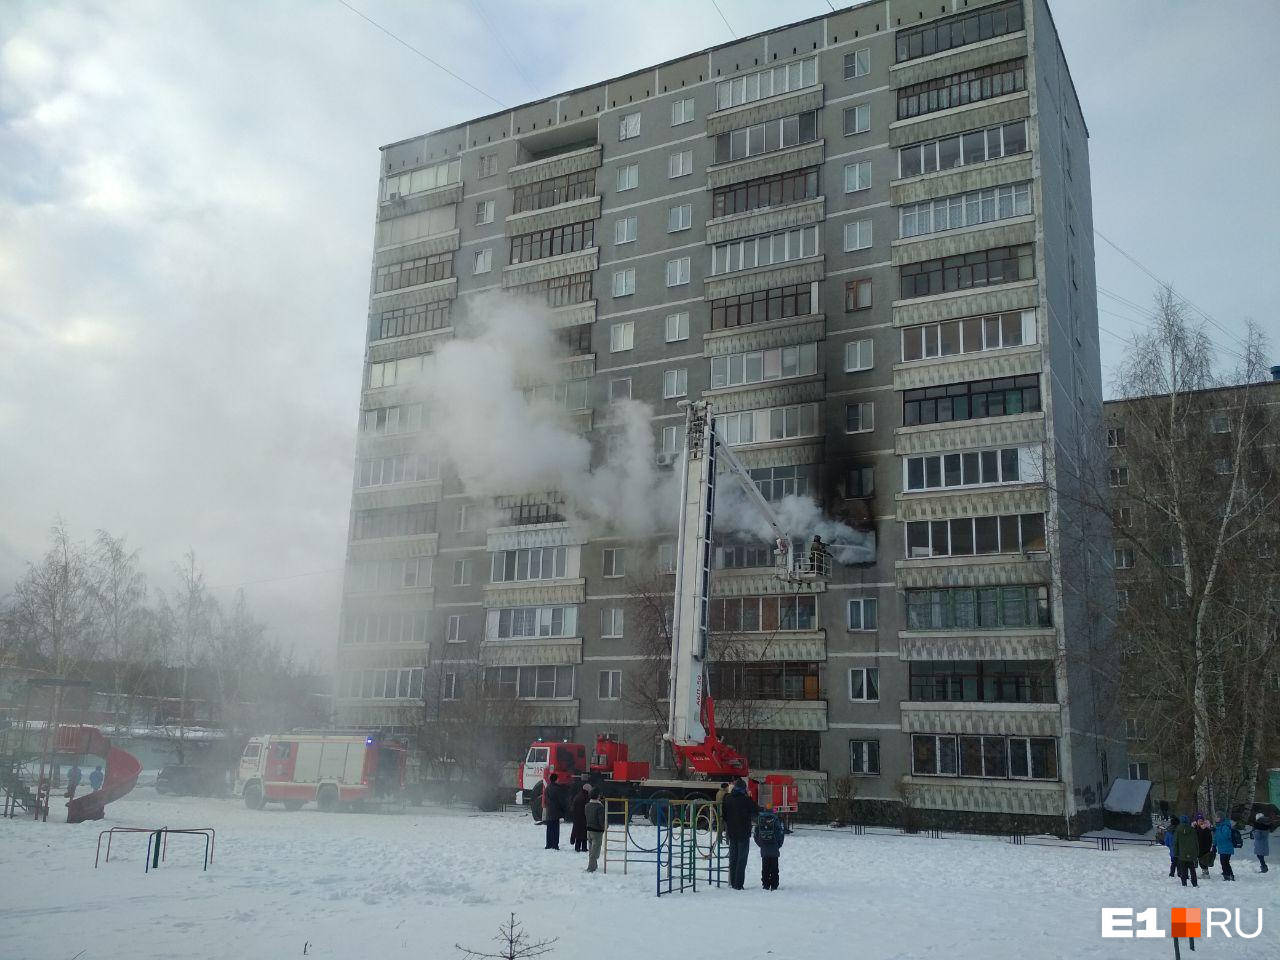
(186,203)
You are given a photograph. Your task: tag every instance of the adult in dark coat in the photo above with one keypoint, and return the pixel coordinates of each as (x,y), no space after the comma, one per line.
(578,836)
(553,811)
(737,812)
(1204,837)
(1186,847)
(1262,828)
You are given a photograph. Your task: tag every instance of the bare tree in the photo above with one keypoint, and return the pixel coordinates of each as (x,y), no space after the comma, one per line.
(119,592)
(513,944)
(190,614)
(52,610)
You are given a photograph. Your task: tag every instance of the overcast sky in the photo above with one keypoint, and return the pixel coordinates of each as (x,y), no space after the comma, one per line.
(186,201)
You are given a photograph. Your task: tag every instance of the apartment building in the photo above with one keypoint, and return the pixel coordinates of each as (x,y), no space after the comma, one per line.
(867,237)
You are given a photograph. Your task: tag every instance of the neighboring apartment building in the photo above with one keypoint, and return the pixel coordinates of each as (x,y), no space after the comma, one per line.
(1216,454)
(868,237)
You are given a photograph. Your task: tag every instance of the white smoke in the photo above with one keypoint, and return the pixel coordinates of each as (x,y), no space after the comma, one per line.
(799,516)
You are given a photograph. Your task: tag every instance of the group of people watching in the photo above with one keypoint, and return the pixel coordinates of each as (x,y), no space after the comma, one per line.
(586,813)
(1196,842)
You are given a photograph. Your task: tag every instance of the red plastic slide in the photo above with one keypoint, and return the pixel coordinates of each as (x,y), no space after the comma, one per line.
(121,774)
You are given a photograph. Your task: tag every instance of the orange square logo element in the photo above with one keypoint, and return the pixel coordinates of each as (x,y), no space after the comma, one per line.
(1186,922)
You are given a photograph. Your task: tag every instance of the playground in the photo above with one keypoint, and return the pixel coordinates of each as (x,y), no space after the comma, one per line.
(415,883)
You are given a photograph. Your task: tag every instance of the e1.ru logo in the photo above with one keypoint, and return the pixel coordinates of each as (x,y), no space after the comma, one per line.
(1184,923)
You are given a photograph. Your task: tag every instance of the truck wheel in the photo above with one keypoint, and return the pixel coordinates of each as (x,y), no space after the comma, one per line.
(293,805)
(327,799)
(655,812)
(253,797)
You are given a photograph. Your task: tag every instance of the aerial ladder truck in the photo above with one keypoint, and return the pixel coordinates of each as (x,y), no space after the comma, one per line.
(701,757)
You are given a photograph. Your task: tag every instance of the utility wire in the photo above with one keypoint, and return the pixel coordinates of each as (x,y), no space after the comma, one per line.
(434,63)
(502,43)
(724,18)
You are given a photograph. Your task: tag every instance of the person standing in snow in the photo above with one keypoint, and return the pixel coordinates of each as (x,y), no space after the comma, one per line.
(1186,847)
(595,825)
(769,837)
(553,811)
(1224,840)
(1168,842)
(1204,837)
(1262,828)
(578,816)
(738,812)
(74,776)
(95,778)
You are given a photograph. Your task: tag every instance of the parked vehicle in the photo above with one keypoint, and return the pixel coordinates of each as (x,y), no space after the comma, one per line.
(339,770)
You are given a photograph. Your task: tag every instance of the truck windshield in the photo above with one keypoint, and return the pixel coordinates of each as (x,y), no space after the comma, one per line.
(251,751)
(536,755)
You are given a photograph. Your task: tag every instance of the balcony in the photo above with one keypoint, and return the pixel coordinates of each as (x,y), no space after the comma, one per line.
(1006,719)
(542,651)
(1025,643)
(1027,797)
(772,714)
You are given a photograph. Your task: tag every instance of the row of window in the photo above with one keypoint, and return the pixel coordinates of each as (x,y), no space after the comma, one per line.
(382,576)
(958,89)
(369,627)
(1002,397)
(766,137)
(964,209)
(770,82)
(762,614)
(965,271)
(409,521)
(570,394)
(969,335)
(764,251)
(975,536)
(764,681)
(527,623)
(970,27)
(559,291)
(414,226)
(678,274)
(759,306)
(983,681)
(771,423)
(383,421)
(553,191)
(761,366)
(397,186)
(404,321)
(977,468)
(978,608)
(529,683)
(388,373)
(762,192)
(1007,758)
(402,468)
(962,149)
(553,242)
(408,273)
(404,683)
(536,563)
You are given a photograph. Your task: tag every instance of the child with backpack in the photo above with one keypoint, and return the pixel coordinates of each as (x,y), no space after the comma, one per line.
(1225,836)
(769,835)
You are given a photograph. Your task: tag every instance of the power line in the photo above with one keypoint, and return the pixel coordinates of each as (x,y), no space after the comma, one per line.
(724,18)
(1150,318)
(434,63)
(502,43)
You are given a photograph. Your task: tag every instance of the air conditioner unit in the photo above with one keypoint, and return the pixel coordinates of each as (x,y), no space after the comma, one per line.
(665,459)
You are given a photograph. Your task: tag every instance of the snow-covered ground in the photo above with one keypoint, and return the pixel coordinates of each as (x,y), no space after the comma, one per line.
(412,885)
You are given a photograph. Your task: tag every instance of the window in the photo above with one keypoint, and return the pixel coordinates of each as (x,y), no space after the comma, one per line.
(857,294)
(1124,517)
(611,622)
(969,335)
(403,321)
(666,557)
(464,519)
(390,372)
(766,83)
(559,291)
(411,521)
(1134,729)
(963,149)
(1124,558)
(857,235)
(775,304)
(1007,396)
(1022,758)
(624,282)
(406,627)
(534,563)
(624,230)
(628,177)
(482,261)
(763,614)
(677,272)
(774,483)
(682,112)
(1118,476)
(763,192)
(859,355)
(764,251)
(403,468)
(680,164)
(615,561)
(864,683)
(1222,466)
(974,536)
(629,126)
(680,218)
(973,468)
(610,685)
(978,608)
(1033,758)
(384,421)
(966,271)
(555,191)
(864,758)
(964,209)
(743,556)
(1218,423)
(1173,556)
(761,366)
(1122,599)
(402,684)
(982,681)
(388,575)
(774,423)
(862,613)
(857,64)
(956,31)
(450,688)
(958,89)
(529,683)
(570,394)
(553,242)
(619,389)
(1115,437)
(409,273)
(413,226)
(1139,770)
(528,623)
(857,119)
(670,443)
(861,482)
(488,165)
(675,383)
(859,417)
(453,629)
(677,327)
(766,137)
(461,573)
(529,508)
(622,336)
(857,176)
(484,212)
(400,185)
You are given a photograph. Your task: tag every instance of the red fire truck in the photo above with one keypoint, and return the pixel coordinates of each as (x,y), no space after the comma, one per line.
(336,769)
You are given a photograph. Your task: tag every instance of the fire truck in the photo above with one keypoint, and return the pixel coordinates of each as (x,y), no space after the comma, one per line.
(703,761)
(336,769)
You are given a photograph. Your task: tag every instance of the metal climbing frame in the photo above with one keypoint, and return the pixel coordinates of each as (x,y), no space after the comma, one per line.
(620,846)
(690,846)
